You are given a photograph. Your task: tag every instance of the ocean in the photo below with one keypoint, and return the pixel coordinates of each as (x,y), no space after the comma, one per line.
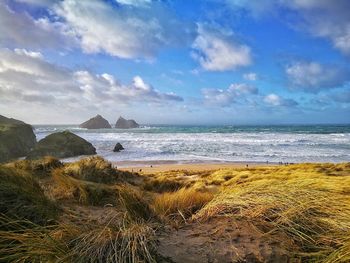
(195,144)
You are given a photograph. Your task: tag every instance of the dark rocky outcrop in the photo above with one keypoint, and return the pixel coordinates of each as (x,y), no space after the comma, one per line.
(16,138)
(62,145)
(126,124)
(118,147)
(97,122)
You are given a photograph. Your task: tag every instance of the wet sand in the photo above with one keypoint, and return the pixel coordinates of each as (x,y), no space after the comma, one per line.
(161,166)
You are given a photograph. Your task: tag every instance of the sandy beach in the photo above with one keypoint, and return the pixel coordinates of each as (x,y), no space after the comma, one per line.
(156,166)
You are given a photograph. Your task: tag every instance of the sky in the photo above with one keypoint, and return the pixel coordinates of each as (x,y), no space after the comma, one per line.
(194,62)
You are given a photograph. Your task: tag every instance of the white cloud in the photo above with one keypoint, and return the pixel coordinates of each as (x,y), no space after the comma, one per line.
(39,2)
(218,51)
(275,100)
(21,29)
(128,31)
(329,19)
(235,92)
(313,76)
(125,32)
(250,76)
(28,53)
(135,2)
(26,77)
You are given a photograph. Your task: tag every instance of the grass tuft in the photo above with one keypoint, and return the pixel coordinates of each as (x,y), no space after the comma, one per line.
(312,210)
(85,193)
(21,197)
(181,204)
(40,168)
(121,240)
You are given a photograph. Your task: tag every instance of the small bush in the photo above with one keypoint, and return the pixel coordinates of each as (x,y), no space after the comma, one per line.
(21,197)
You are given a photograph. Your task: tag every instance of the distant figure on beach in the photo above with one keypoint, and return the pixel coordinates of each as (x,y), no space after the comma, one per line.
(151,166)
(247,165)
(140,170)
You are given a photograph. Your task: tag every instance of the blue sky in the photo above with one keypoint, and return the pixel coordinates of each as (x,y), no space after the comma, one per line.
(176,62)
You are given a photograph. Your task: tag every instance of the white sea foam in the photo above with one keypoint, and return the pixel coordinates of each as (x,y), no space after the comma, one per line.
(261,146)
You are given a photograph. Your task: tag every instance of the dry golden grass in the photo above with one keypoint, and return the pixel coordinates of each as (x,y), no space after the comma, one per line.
(311,207)
(25,241)
(40,168)
(21,197)
(182,203)
(307,203)
(162,185)
(93,169)
(120,240)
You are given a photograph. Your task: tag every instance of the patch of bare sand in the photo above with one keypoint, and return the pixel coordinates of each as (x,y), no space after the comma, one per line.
(221,239)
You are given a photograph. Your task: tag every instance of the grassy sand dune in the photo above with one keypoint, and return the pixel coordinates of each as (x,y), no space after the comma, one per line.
(88,211)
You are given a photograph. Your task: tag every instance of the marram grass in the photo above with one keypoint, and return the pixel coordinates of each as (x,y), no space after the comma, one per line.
(54,212)
(313,209)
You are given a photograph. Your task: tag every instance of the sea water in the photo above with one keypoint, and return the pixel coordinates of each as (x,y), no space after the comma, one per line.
(184,144)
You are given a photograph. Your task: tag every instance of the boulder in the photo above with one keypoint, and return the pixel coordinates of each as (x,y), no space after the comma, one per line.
(126,124)
(62,145)
(16,139)
(118,147)
(97,122)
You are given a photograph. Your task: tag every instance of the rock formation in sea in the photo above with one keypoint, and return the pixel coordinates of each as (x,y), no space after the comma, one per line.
(97,122)
(126,124)
(16,138)
(62,145)
(118,147)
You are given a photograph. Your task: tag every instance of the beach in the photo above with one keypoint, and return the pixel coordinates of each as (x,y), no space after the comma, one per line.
(155,167)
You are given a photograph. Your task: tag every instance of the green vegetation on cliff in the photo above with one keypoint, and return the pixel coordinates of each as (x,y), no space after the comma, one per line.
(16,138)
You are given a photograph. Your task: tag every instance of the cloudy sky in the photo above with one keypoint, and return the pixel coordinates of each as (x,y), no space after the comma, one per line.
(176,61)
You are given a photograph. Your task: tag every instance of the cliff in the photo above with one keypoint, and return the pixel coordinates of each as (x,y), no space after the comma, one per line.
(16,138)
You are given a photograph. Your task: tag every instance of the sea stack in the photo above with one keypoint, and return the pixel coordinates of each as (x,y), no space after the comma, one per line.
(126,124)
(16,138)
(61,145)
(118,147)
(97,122)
